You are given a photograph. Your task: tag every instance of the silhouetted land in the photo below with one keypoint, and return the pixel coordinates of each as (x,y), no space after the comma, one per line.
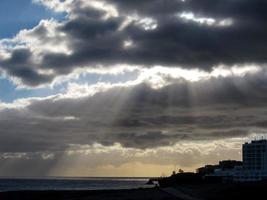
(193,185)
(200,191)
(227,191)
(134,194)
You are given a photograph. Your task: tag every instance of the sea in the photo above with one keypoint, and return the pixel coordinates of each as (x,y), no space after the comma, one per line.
(32,184)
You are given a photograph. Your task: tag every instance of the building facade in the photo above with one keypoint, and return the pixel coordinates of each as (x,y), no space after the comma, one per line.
(255,155)
(254,161)
(253,166)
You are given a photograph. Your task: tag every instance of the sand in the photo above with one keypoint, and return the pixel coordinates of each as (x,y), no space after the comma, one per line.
(243,191)
(133,194)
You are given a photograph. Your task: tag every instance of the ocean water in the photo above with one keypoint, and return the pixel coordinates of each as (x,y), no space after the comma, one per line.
(17,184)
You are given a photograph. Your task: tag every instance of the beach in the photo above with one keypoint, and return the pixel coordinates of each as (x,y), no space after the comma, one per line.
(130,194)
(230,191)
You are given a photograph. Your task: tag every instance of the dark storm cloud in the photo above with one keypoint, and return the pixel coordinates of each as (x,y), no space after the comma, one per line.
(20,65)
(139,116)
(210,8)
(93,41)
(139,140)
(96,40)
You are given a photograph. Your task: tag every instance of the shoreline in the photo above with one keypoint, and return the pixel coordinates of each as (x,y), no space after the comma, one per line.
(131,194)
(220,191)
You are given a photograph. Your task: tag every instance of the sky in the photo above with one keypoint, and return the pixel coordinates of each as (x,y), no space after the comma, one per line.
(129,88)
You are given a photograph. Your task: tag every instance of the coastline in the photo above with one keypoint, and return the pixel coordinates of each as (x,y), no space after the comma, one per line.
(129,194)
(219,191)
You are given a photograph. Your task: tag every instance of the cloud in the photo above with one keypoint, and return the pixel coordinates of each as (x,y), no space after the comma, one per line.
(201,82)
(136,115)
(100,160)
(121,124)
(94,34)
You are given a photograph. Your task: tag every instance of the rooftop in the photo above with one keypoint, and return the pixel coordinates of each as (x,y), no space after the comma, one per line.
(261,141)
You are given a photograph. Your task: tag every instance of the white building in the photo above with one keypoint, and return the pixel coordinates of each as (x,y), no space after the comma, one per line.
(254,162)
(255,155)
(254,167)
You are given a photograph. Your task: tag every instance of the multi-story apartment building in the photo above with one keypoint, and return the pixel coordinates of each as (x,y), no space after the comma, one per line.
(253,167)
(255,155)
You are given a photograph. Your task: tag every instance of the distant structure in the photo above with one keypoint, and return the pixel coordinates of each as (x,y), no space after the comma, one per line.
(252,168)
(223,165)
(254,161)
(255,155)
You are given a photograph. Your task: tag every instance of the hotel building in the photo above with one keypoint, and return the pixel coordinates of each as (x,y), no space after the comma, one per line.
(252,168)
